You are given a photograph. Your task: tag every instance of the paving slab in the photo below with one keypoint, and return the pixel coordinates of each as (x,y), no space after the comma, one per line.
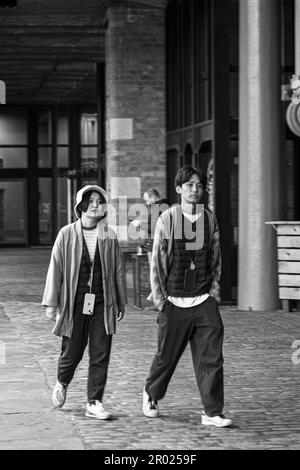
(27,420)
(262,382)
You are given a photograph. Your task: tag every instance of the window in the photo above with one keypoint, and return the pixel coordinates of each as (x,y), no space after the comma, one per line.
(89,147)
(188,63)
(13,138)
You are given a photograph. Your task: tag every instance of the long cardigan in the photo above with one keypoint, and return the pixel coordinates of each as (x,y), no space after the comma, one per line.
(162,254)
(63,273)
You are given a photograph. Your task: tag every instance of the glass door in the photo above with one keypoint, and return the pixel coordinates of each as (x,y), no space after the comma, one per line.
(45,211)
(13,212)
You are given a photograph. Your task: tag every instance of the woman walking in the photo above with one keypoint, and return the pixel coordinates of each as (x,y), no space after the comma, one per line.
(85,295)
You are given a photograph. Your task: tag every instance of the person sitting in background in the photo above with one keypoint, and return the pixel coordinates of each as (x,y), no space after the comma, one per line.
(156,206)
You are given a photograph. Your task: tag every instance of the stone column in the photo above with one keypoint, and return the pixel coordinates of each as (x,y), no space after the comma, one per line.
(260,153)
(135,101)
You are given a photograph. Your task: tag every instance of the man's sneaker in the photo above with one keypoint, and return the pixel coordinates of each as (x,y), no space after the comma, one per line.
(218,421)
(96,410)
(150,407)
(59,394)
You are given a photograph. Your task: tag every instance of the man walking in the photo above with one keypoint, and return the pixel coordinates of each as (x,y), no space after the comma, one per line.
(185,275)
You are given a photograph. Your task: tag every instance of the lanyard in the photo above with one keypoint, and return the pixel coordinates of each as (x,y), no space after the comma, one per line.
(90,283)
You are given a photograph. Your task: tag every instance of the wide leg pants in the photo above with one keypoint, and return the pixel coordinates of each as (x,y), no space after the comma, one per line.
(201,326)
(86,328)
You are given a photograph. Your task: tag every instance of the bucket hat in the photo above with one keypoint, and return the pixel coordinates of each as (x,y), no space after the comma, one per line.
(82,191)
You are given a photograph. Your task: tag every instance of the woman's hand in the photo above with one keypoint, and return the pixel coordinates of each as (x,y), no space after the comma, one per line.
(51,313)
(120,315)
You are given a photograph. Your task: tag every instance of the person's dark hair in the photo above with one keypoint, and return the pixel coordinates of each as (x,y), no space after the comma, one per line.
(186,172)
(82,207)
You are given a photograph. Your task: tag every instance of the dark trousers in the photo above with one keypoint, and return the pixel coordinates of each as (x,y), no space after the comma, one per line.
(86,328)
(201,326)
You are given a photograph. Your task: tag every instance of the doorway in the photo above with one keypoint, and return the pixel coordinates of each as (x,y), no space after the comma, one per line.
(13,212)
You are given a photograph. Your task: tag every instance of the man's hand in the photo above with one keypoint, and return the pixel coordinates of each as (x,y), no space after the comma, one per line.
(120,316)
(51,313)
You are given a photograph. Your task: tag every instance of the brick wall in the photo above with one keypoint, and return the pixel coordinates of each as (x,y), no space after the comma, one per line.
(135,100)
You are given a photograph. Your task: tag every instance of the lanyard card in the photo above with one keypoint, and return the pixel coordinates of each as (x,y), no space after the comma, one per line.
(88,304)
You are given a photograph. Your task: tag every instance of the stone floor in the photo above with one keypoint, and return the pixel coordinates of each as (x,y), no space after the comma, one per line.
(262,378)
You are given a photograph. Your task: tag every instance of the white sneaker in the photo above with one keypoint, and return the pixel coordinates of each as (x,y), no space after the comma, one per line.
(96,410)
(59,394)
(218,421)
(150,407)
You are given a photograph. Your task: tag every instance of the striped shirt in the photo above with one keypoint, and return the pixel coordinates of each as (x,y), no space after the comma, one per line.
(90,237)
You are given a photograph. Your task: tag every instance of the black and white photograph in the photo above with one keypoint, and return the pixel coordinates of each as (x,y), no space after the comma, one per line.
(150,228)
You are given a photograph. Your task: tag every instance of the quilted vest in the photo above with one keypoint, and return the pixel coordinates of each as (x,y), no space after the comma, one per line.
(182,260)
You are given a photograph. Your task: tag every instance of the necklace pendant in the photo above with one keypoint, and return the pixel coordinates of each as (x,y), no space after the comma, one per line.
(192,266)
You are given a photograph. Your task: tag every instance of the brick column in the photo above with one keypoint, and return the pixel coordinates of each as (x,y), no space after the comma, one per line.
(135,101)
(260,156)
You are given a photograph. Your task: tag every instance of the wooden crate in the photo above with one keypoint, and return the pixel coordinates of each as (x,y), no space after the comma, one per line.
(288,255)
